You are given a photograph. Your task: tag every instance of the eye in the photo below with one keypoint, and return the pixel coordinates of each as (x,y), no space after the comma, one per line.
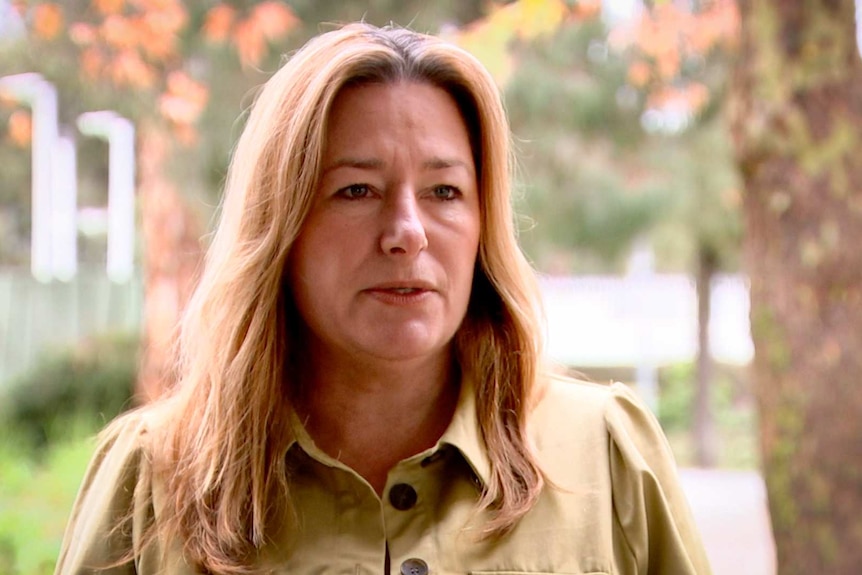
(445,192)
(354,192)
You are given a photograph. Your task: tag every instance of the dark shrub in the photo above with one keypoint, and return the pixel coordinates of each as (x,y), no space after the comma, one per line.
(92,382)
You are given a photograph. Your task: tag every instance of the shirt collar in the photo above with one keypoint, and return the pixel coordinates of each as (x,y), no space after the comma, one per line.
(463,433)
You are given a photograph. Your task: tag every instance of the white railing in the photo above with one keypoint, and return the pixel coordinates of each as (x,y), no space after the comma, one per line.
(36,317)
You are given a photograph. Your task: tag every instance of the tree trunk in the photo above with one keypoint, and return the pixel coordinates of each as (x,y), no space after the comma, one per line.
(797,125)
(704,428)
(172,258)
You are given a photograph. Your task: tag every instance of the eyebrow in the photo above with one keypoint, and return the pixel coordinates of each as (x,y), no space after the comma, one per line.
(374,164)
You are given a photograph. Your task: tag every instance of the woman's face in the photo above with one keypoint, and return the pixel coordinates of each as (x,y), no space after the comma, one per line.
(383,266)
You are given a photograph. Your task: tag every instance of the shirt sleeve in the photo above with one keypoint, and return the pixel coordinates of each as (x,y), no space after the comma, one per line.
(654,529)
(112,508)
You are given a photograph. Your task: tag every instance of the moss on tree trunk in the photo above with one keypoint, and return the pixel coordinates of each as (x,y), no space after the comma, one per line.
(797,122)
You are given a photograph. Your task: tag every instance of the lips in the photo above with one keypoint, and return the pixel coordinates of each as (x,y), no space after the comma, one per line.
(403,287)
(405,291)
(401,292)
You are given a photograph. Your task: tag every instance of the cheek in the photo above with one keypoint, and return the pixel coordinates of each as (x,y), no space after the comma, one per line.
(464,255)
(307,271)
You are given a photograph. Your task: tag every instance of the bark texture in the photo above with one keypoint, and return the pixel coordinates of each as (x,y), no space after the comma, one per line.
(797,123)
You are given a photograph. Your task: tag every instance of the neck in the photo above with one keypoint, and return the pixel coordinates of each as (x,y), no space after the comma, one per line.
(352,408)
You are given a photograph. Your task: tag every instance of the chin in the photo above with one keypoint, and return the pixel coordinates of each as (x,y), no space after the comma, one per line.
(407,346)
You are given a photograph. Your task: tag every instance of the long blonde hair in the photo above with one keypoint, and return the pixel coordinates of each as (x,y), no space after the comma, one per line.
(219,450)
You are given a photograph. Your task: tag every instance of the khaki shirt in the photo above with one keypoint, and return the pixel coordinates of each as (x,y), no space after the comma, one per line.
(613,503)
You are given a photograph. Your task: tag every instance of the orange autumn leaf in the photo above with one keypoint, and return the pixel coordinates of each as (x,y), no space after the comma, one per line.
(668,63)
(586,9)
(107,7)
(693,97)
(249,42)
(719,25)
(128,69)
(156,5)
(185,134)
(47,20)
(697,95)
(92,63)
(158,44)
(184,100)
(667,28)
(639,73)
(20,128)
(82,33)
(219,20)
(165,17)
(119,32)
(7,100)
(659,37)
(273,19)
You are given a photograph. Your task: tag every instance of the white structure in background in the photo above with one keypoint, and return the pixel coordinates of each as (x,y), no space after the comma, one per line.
(41,96)
(120,134)
(11,23)
(859,26)
(612,321)
(643,321)
(64,207)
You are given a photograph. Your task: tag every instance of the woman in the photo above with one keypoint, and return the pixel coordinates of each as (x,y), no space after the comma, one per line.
(361,384)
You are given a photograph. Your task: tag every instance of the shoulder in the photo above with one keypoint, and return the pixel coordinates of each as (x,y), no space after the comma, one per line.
(601,442)
(114,501)
(565,399)
(124,435)
(120,451)
(584,421)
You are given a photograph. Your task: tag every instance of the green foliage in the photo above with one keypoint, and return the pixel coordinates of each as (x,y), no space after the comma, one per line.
(732,405)
(37,497)
(703,181)
(579,143)
(89,384)
(676,404)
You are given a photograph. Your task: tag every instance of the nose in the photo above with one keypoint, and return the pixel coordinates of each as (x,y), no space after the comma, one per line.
(403,230)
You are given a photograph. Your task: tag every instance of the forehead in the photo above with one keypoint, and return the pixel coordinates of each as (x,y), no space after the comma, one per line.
(369,116)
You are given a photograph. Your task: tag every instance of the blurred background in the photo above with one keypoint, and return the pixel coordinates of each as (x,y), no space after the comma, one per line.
(686,187)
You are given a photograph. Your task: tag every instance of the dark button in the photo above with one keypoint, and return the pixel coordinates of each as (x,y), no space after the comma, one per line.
(402,496)
(414,566)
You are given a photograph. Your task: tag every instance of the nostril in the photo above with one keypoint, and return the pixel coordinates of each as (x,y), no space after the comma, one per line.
(404,237)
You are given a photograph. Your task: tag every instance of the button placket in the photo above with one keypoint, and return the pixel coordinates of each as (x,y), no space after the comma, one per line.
(408,517)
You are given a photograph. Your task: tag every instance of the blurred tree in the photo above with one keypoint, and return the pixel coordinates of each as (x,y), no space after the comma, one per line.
(704,224)
(620,137)
(797,123)
(679,58)
(585,178)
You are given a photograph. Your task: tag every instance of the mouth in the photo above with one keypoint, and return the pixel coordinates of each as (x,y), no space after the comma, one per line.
(401,293)
(405,290)
(403,287)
